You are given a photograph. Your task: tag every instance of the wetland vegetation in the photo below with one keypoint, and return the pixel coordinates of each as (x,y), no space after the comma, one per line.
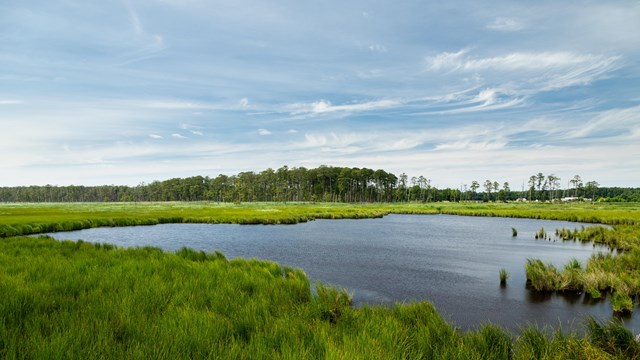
(73,298)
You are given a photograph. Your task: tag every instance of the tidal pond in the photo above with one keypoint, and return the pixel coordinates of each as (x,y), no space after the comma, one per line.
(452,261)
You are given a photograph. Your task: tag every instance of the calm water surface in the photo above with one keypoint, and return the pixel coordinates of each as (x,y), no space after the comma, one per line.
(452,261)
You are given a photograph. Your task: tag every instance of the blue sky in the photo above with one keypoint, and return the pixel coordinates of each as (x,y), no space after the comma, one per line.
(121,92)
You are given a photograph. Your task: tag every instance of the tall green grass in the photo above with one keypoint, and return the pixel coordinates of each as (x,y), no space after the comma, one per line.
(617,275)
(76,300)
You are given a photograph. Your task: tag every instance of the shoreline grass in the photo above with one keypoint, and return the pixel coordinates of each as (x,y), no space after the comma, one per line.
(81,300)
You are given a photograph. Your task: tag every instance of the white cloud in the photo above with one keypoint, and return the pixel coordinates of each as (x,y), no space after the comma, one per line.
(446,61)
(324,106)
(313,140)
(264,132)
(520,61)
(404,143)
(172,105)
(178,136)
(378,48)
(155,136)
(473,146)
(626,121)
(292,131)
(506,24)
(471,100)
(486,96)
(191,129)
(10,102)
(528,72)
(244,102)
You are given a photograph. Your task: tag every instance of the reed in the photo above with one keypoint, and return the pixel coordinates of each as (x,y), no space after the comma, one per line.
(504,275)
(541,234)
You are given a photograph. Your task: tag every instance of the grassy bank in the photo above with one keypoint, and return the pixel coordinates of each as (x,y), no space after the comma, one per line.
(24,219)
(78,300)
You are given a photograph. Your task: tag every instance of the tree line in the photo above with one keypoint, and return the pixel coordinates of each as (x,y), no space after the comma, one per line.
(322,184)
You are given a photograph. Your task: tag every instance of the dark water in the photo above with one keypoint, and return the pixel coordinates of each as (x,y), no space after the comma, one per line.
(452,261)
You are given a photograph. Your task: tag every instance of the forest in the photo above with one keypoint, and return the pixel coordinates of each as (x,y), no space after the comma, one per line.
(321,184)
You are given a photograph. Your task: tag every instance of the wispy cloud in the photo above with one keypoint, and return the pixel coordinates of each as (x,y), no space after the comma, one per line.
(528,73)
(264,132)
(192,129)
(527,61)
(178,136)
(156,136)
(506,24)
(10,102)
(619,123)
(324,106)
(473,146)
(171,105)
(378,48)
(136,24)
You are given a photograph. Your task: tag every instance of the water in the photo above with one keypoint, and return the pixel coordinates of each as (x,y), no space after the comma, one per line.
(452,261)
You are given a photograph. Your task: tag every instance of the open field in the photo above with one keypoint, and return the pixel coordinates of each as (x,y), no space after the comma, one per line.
(74,299)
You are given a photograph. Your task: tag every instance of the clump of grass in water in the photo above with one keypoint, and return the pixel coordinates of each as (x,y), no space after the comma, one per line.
(593,282)
(543,234)
(514,232)
(504,275)
(541,276)
(571,278)
(621,303)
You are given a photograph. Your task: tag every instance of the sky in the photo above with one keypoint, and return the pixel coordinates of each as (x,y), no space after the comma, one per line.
(131,91)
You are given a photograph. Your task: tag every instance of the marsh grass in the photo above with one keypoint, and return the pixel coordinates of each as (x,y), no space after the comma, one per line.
(541,234)
(541,276)
(504,275)
(514,232)
(621,302)
(77,300)
(613,338)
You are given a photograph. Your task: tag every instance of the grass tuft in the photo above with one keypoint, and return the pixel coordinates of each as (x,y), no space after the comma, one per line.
(504,275)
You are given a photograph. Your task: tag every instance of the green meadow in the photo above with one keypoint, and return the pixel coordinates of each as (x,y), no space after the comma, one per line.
(63,299)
